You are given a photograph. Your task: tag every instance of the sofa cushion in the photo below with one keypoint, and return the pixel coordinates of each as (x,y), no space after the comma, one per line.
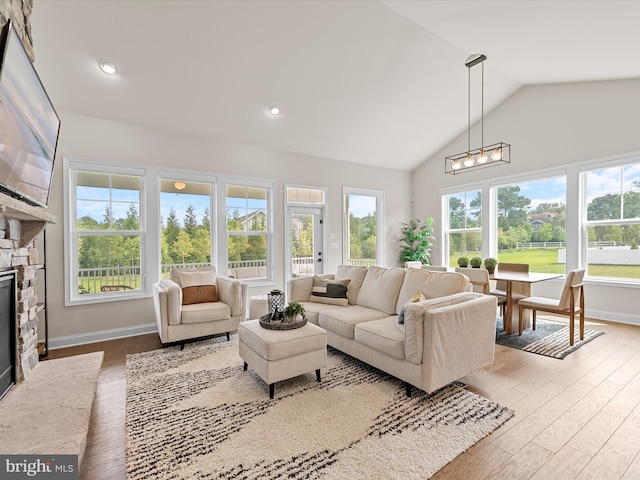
(332,292)
(199,294)
(192,277)
(205,312)
(356,274)
(381,335)
(431,284)
(380,289)
(313,309)
(343,321)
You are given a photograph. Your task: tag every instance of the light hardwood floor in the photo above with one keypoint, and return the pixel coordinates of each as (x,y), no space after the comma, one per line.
(577,418)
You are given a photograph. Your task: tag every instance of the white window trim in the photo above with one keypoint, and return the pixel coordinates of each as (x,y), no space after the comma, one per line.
(70,266)
(222,248)
(151,227)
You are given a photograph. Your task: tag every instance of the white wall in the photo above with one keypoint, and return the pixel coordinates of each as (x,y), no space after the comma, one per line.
(549,126)
(85,138)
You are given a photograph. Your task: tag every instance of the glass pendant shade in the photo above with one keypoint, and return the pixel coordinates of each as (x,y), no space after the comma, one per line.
(469,161)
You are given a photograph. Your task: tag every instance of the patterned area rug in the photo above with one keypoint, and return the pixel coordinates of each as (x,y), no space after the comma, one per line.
(549,338)
(195,414)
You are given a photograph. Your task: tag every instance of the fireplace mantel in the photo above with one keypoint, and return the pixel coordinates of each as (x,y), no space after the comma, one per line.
(33,219)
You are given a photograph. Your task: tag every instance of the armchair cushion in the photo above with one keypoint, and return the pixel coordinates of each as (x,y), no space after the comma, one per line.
(199,294)
(193,277)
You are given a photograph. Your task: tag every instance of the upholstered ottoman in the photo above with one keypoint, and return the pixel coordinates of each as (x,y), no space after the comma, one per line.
(277,355)
(258,306)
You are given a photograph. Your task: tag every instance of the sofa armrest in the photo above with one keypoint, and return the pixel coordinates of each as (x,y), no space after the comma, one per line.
(168,303)
(458,339)
(233,292)
(299,289)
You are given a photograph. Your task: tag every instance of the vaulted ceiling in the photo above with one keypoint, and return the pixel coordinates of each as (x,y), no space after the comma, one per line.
(374,82)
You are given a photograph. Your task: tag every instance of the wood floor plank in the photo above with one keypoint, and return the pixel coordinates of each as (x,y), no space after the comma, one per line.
(523,465)
(566,464)
(599,429)
(558,433)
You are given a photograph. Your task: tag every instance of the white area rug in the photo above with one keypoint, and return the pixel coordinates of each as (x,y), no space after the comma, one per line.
(195,414)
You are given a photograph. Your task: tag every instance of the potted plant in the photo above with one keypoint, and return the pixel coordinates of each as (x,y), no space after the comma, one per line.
(415,242)
(490,264)
(463,261)
(475,262)
(293,312)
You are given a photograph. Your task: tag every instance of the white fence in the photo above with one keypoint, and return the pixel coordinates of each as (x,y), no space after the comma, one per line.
(607,256)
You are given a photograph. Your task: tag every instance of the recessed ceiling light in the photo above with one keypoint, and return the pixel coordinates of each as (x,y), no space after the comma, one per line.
(274,110)
(109,68)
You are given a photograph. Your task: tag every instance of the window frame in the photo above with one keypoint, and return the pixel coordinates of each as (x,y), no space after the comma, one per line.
(151,228)
(619,161)
(447,231)
(222,246)
(72,297)
(379,196)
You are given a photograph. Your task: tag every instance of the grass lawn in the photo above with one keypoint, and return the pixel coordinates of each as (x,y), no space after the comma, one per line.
(546,260)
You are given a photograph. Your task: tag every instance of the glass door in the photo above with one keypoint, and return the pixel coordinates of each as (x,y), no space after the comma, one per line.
(305,237)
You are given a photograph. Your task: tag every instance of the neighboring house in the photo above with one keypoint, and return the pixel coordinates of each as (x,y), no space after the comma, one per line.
(538,219)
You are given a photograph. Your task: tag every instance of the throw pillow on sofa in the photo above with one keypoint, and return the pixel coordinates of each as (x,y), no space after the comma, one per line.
(332,292)
(417,297)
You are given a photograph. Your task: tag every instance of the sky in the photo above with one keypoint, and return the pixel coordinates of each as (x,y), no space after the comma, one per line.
(93,201)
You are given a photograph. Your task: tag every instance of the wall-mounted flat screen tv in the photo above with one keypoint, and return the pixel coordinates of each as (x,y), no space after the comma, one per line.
(29,125)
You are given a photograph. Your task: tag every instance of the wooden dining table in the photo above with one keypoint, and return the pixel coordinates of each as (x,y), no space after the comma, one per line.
(519,286)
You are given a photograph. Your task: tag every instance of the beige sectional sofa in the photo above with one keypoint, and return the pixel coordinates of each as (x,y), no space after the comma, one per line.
(446,335)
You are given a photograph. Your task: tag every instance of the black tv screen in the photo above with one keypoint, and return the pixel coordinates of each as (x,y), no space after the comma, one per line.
(29,125)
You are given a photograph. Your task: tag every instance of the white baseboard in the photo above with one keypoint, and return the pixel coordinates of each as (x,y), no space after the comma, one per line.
(101,336)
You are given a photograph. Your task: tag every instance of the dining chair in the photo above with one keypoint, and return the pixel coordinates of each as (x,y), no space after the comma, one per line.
(434,268)
(501,285)
(413,264)
(479,278)
(572,294)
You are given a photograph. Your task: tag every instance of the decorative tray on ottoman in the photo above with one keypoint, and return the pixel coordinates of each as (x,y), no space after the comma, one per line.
(281,325)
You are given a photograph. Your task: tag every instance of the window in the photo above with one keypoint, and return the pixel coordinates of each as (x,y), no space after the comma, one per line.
(127,227)
(613,221)
(531,224)
(363,227)
(185,214)
(107,233)
(464,225)
(248,221)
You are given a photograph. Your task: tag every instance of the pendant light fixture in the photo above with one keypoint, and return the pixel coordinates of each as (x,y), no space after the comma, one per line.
(486,155)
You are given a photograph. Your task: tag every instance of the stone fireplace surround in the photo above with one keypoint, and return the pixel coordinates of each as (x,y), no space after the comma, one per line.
(20,226)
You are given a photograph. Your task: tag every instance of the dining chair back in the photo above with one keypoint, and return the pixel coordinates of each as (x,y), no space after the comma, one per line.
(571,303)
(413,264)
(434,268)
(479,278)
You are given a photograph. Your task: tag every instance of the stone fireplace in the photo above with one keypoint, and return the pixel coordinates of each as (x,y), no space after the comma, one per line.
(20,226)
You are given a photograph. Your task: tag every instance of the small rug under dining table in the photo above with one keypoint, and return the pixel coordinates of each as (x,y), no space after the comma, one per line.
(550,338)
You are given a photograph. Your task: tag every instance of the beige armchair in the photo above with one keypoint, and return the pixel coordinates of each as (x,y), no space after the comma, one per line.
(197,303)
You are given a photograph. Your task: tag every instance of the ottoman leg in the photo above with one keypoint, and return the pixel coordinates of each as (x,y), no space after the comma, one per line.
(272,389)
(245,366)
(318,374)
